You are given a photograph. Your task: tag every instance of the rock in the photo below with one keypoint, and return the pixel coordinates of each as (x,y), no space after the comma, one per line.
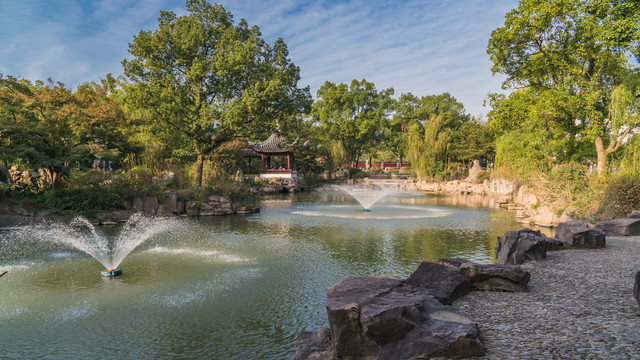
(496,277)
(343,308)
(624,227)
(454,263)
(382,317)
(192,208)
(390,317)
(169,204)
(206,209)
(577,234)
(443,332)
(634,214)
(474,171)
(150,205)
(213,198)
(517,247)
(636,288)
(138,205)
(554,244)
(180,207)
(446,283)
(566,230)
(313,345)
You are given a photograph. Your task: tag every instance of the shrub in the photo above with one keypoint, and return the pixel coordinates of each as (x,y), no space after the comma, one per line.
(621,196)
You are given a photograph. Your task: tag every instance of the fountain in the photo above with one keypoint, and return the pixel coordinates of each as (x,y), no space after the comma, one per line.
(82,235)
(366,196)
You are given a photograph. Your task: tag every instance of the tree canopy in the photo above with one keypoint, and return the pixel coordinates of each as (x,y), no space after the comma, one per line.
(568,55)
(212,81)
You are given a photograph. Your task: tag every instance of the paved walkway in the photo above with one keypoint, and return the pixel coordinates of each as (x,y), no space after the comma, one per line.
(579,305)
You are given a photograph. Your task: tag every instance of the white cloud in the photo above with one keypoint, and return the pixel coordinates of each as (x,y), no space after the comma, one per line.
(419,46)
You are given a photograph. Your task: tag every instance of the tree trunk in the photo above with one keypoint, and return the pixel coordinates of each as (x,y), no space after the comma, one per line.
(199,165)
(602,156)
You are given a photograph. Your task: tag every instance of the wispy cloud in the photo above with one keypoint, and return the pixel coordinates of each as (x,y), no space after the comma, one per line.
(420,46)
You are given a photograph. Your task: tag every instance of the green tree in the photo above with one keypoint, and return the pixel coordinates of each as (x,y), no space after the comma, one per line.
(429,125)
(571,52)
(52,128)
(352,116)
(212,81)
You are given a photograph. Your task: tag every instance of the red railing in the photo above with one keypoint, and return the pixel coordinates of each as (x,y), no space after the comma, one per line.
(386,165)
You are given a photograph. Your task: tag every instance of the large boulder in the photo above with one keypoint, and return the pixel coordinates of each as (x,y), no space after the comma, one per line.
(496,277)
(577,234)
(446,284)
(343,307)
(517,247)
(623,227)
(382,317)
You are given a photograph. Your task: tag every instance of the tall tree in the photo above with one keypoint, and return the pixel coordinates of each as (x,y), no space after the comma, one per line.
(352,115)
(212,81)
(573,50)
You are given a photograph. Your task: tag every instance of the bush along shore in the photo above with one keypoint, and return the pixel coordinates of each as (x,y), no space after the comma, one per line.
(575,303)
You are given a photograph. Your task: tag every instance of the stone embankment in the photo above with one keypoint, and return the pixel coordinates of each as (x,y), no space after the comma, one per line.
(167,205)
(576,303)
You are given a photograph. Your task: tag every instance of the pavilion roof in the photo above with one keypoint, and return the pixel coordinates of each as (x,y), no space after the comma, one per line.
(276,143)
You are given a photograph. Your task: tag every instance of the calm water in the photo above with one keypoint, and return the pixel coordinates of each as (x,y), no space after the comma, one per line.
(234,287)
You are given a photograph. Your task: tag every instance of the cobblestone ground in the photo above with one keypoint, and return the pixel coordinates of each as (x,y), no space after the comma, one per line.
(579,305)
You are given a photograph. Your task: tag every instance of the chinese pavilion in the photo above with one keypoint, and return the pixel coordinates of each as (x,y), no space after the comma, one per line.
(275,147)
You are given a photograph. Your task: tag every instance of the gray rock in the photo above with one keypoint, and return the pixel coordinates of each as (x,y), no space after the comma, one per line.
(496,277)
(138,205)
(446,283)
(624,227)
(554,244)
(566,230)
(517,247)
(634,214)
(589,239)
(168,204)
(150,205)
(453,263)
(343,309)
(636,289)
(192,208)
(441,332)
(313,345)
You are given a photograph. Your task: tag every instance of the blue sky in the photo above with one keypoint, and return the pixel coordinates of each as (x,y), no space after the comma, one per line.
(424,47)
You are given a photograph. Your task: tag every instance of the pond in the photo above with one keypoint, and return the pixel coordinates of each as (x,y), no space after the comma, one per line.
(232,287)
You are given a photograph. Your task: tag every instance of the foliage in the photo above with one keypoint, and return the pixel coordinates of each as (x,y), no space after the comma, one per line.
(351,117)
(568,54)
(211,81)
(50,127)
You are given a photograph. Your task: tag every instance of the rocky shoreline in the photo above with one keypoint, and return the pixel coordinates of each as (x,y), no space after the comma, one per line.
(580,301)
(580,305)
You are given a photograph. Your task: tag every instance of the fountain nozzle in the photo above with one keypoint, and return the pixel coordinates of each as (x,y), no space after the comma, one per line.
(111,273)
(366,210)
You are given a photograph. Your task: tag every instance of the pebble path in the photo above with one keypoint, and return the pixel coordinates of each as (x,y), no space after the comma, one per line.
(579,305)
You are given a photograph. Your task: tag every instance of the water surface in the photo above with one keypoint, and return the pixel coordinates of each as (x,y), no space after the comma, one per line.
(232,287)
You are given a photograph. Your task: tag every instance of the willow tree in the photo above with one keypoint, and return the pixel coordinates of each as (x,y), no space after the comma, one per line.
(574,50)
(212,81)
